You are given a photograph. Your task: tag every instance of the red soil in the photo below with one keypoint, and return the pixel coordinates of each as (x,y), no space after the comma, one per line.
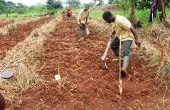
(5,23)
(85,85)
(18,34)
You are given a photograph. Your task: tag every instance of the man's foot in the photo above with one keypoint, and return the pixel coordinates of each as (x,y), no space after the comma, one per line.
(123,73)
(81,39)
(104,67)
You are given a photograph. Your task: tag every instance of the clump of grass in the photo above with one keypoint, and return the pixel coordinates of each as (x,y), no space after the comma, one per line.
(152,52)
(165,68)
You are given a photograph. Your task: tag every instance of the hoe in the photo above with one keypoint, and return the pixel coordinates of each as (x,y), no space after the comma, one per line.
(104,57)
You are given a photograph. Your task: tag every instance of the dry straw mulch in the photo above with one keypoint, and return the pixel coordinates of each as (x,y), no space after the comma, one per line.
(26,55)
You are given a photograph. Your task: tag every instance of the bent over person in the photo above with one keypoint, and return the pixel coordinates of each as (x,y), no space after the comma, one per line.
(82,20)
(124,29)
(69,12)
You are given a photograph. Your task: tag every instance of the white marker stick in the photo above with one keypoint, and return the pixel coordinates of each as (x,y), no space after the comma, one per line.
(120,67)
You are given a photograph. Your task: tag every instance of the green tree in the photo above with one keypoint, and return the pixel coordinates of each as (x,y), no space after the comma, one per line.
(143,4)
(21,8)
(167,3)
(91,4)
(111,1)
(58,4)
(132,12)
(73,2)
(53,4)
(50,4)
(39,8)
(10,7)
(124,4)
(2,6)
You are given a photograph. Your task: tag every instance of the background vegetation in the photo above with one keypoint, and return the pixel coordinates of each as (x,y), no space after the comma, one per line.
(142,8)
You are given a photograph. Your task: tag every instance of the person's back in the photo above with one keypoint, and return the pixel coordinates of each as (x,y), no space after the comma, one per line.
(83,15)
(122,27)
(82,21)
(69,10)
(2,102)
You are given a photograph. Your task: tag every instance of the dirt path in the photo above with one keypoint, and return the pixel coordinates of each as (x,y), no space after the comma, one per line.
(85,85)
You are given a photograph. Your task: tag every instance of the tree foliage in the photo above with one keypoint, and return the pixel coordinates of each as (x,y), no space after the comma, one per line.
(73,2)
(110,1)
(58,4)
(7,7)
(53,4)
(142,4)
(2,6)
(20,8)
(132,12)
(124,4)
(91,4)
(10,7)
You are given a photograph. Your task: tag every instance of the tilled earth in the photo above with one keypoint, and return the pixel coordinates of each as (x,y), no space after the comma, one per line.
(18,34)
(84,84)
(6,23)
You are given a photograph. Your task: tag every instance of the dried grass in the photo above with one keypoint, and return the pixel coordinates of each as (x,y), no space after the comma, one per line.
(18,21)
(28,53)
(101,26)
(5,20)
(156,43)
(152,52)
(156,34)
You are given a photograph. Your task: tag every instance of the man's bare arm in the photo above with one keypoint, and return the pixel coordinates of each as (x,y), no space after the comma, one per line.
(137,40)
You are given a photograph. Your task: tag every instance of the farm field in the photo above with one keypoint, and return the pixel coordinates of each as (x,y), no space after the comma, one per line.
(51,46)
(18,33)
(79,55)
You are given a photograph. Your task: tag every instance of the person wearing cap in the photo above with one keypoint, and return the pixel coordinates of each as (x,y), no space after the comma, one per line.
(122,28)
(82,21)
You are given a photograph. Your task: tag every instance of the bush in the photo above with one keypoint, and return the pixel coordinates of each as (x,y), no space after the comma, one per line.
(143,5)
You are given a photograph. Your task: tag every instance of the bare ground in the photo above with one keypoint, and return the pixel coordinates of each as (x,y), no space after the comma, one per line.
(85,85)
(18,34)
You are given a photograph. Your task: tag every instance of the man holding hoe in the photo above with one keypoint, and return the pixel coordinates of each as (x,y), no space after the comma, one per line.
(122,29)
(82,20)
